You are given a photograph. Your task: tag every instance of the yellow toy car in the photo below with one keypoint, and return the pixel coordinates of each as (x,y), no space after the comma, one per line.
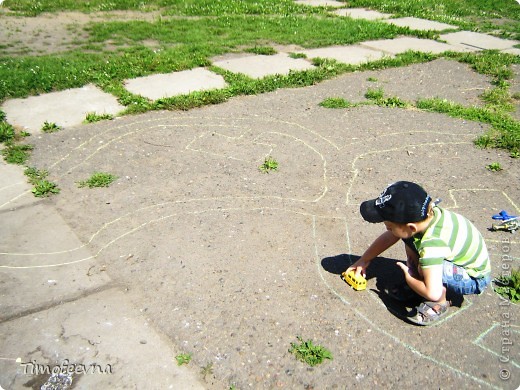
(357,282)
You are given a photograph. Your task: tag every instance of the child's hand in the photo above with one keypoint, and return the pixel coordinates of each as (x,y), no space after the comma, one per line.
(404,267)
(359,267)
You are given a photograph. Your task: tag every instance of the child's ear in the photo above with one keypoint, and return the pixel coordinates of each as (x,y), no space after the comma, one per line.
(412,227)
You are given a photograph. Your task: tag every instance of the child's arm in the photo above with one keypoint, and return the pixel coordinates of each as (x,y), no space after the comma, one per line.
(430,287)
(380,244)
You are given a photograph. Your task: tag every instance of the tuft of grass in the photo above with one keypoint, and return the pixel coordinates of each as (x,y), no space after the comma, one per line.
(50,127)
(309,353)
(297,55)
(270,164)
(377,97)
(494,167)
(336,102)
(17,153)
(92,117)
(34,175)
(44,188)
(207,370)
(508,286)
(98,179)
(6,132)
(262,50)
(183,358)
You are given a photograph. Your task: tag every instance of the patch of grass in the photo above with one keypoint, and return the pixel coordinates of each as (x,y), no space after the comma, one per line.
(336,102)
(494,167)
(309,353)
(17,153)
(505,132)
(50,127)
(92,117)
(476,15)
(377,96)
(98,179)
(269,164)
(509,286)
(262,50)
(34,175)
(297,55)
(6,132)
(183,358)
(44,188)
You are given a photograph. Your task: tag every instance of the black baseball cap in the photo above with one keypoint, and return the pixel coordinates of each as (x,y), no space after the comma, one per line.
(400,202)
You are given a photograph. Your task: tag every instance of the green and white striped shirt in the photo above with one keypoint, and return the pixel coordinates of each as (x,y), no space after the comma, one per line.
(452,237)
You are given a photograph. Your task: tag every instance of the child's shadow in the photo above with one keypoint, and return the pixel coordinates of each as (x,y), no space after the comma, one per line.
(387,275)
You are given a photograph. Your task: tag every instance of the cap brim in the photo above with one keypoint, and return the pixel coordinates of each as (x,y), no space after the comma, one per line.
(369,212)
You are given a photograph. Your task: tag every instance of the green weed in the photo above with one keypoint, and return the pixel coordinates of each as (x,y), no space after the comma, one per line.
(375,94)
(494,167)
(92,117)
(34,175)
(50,127)
(509,286)
(309,353)
(44,188)
(270,164)
(335,102)
(183,358)
(6,132)
(262,50)
(17,154)
(207,370)
(297,55)
(98,179)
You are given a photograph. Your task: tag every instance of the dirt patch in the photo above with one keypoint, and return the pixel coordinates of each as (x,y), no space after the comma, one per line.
(233,264)
(56,32)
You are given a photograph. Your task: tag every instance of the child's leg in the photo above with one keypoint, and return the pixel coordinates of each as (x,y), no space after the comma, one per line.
(412,261)
(457,279)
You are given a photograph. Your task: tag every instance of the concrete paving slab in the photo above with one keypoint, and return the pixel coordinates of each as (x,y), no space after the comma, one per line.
(65,108)
(351,54)
(166,85)
(513,51)
(258,66)
(400,45)
(30,275)
(421,24)
(477,41)
(362,13)
(101,337)
(321,3)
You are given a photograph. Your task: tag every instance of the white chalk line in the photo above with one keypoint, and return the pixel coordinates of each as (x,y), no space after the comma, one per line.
(409,347)
(481,337)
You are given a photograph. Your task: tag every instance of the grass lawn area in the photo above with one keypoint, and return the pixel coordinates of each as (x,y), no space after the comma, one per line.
(187,34)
